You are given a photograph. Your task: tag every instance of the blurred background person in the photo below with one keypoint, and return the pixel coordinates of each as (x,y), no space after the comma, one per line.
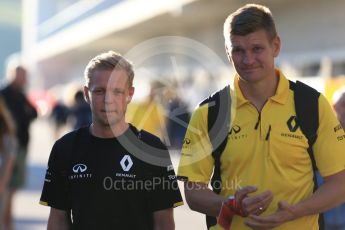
(149,113)
(339,106)
(178,117)
(335,218)
(23,114)
(59,116)
(8,145)
(80,111)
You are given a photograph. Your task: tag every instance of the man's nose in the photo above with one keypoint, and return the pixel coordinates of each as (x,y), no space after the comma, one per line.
(248,58)
(109,97)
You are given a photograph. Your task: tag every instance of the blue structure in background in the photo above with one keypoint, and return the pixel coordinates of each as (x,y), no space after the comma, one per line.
(48,9)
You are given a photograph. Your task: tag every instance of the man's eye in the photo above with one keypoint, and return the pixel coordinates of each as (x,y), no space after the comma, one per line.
(98,92)
(236,50)
(257,49)
(118,92)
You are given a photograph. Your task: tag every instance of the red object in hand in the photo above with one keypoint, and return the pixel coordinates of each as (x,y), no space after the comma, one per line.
(228,210)
(225,216)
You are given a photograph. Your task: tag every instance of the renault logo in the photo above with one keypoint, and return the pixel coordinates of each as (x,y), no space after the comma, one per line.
(126,163)
(292,124)
(79,168)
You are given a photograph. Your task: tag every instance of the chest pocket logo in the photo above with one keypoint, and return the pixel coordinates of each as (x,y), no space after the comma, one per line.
(79,168)
(292,124)
(236,129)
(126,163)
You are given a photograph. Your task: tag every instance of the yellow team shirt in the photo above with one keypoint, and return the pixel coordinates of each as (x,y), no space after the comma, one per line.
(266,150)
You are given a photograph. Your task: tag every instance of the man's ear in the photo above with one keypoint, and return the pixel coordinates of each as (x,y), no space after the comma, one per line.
(276,46)
(86,94)
(131,93)
(227,53)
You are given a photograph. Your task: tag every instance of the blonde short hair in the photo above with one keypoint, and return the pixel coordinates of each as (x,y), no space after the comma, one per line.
(109,61)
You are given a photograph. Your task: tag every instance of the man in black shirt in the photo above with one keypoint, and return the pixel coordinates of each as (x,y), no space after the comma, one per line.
(110,175)
(23,113)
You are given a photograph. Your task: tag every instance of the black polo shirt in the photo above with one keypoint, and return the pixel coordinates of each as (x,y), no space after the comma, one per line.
(110,183)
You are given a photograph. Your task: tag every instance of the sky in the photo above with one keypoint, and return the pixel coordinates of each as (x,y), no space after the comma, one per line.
(10,30)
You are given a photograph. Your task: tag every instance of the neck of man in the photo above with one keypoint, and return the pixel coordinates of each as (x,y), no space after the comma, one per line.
(108,131)
(259,92)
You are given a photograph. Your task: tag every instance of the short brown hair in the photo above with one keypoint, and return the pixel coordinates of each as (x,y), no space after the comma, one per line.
(109,61)
(248,19)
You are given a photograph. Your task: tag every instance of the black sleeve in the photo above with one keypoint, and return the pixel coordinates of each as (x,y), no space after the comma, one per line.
(55,191)
(165,193)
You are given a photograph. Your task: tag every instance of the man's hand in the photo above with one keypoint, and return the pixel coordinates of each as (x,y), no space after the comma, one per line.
(254,205)
(284,214)
(244,205)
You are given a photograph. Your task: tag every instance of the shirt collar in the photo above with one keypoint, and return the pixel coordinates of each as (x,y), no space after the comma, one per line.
(280,96)
(282,92)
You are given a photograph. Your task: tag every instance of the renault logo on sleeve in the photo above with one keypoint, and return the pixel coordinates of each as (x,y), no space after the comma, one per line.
(126,163)
(79,168)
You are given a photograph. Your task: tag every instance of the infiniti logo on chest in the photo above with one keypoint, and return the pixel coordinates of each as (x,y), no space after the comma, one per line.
(79,172)
(79,168)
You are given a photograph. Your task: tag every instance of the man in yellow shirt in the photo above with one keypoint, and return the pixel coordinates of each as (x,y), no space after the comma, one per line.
(149,114)
(266,172)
